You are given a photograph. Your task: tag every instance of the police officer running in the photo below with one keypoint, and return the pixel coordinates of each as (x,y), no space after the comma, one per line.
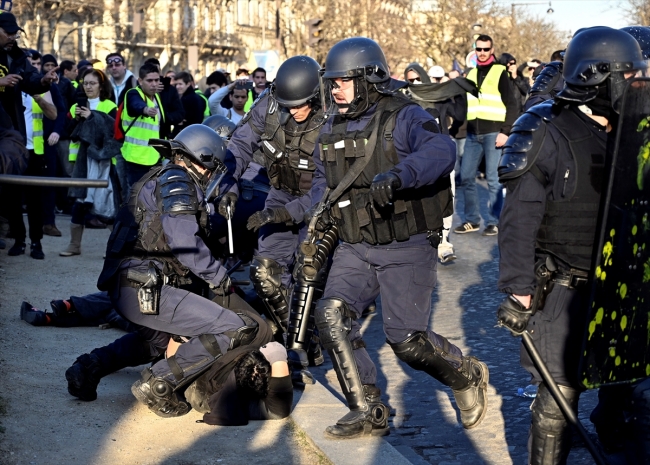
(156,256)
(389,219)
(552,167)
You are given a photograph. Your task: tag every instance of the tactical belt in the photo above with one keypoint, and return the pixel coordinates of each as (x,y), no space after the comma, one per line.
(172,281)
(573,279)
(246,184)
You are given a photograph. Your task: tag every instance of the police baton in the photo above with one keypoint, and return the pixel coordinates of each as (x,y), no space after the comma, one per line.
(43,181)
(231,246)
(568,412)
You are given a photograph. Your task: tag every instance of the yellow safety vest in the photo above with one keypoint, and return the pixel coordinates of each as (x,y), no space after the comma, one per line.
(37,129)
(249,101)
(206,112)
(105,106)
(136,147)
(489,105)
(75,84)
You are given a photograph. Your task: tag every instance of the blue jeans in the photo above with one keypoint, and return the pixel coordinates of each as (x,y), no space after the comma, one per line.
(475,146)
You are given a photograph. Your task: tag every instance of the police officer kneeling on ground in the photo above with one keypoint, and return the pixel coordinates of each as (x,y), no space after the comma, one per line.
(157,265)
(389,219)
(553,166)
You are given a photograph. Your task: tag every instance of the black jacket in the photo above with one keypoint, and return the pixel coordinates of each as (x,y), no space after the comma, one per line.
(30,84)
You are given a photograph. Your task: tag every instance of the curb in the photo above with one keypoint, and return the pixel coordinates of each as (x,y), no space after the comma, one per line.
(316,408)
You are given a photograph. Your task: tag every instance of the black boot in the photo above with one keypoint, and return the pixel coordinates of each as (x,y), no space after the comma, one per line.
(159,396)
(549,438)
(372,421)
(368,415)
(84,376)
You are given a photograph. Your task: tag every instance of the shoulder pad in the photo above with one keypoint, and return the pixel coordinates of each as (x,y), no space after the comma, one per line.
(547,78)
(177,191)
(523,145)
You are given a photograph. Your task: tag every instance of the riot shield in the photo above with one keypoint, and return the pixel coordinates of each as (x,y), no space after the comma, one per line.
(616,346)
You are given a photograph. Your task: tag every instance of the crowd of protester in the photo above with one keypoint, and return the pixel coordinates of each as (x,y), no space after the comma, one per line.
(74,127)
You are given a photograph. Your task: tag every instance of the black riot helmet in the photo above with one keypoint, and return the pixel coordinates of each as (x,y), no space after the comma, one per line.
(296,81)
(359,59)
(200,145)
(595,63)
(221,125)
(642,36)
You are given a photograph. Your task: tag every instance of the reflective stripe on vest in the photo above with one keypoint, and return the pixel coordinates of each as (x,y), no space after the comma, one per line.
(206,112)
(136,147)
(105,106)
(37,128)
(488,106)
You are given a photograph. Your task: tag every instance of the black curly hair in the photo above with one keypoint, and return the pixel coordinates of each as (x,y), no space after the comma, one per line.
(252,373)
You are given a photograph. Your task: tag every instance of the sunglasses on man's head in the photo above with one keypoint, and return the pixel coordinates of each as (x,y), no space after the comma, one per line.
(414,80)
(114,61)
(480,49)
(512,63)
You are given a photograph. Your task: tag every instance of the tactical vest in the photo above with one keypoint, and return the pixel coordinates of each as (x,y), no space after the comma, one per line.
(136,147)
(288,159)
(488,106)
(138,234)
(413,211)
(568,229)
(37,129)
(105,106)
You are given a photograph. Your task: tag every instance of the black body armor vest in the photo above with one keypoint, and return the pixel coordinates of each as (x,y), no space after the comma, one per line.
(568,229)
(138,233)
(288,158)
(413,211)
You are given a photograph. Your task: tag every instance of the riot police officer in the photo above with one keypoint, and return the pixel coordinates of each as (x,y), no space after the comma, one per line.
(552,167)
(157,265)
(389,217)
(279,133)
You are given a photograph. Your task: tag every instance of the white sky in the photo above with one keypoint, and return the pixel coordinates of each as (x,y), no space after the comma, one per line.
(571,15)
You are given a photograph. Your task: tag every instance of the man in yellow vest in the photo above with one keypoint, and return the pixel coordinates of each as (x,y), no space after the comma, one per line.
(142,118)
(489,119)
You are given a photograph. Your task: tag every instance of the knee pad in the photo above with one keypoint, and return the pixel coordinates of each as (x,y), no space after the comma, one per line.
(333,320)
(159,396)
(266,276)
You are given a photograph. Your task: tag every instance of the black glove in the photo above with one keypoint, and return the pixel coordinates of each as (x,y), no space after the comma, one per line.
(228,199)
(223,288)
(324,220)
(513,315)
(382,188)
(266,216)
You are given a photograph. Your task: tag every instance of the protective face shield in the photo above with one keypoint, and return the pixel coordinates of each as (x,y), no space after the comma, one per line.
(197,145)
(358,60)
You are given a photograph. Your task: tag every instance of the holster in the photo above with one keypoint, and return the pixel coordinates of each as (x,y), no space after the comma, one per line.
(151,284)
(544,272)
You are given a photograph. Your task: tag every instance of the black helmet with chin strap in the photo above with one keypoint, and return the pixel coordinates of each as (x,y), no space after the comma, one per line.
(595,63)
(362,60)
